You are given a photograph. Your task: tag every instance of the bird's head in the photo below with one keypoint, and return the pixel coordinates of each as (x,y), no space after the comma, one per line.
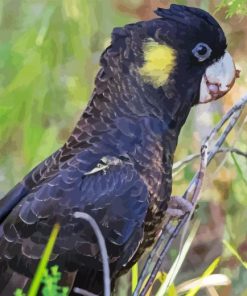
(157,70)
(188,45)
(183,53)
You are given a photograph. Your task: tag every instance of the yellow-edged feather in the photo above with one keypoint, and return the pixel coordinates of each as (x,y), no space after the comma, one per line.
(159,62)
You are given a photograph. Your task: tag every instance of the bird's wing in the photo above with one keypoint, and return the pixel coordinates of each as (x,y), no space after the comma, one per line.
(20,190)
(116,197)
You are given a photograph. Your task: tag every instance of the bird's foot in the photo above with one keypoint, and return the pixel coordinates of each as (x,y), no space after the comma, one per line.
(178,207)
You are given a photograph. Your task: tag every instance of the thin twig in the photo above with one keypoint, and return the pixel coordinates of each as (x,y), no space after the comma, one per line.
(179,260)
(194,187)
(238,106)
(182,163)
(239,130)
(234,118)
(103,251)
(83,292)
(193,190)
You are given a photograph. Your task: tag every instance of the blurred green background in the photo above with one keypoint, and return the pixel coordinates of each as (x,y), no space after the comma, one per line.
(49,53)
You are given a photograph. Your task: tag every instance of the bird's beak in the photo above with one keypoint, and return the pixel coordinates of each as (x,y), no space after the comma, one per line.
(218,79)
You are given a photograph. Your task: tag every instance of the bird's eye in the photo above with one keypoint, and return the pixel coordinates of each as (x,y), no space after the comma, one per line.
(201,51)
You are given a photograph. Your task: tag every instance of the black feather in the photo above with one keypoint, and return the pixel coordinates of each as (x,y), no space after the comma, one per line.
(130,128)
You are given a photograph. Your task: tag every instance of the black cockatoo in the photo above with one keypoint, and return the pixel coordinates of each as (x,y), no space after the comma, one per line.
(116,165)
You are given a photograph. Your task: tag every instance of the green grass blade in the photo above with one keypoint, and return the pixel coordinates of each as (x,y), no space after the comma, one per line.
(238,168)
(34,288)
(179,261)
(235,253)
(134,277)
(206,273)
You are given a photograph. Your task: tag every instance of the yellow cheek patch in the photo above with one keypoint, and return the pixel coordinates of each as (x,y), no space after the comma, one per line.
(159,61)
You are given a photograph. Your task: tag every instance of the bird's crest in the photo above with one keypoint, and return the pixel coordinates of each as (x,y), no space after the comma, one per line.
(186,15)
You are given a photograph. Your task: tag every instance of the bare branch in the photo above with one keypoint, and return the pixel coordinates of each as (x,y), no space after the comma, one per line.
(103,251)
(179,165)
(192,193)
(193,190)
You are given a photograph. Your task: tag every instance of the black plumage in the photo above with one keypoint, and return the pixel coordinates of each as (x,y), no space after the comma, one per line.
(133,128)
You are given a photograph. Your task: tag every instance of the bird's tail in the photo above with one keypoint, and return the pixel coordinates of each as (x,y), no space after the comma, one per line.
(11,281)
(90,281)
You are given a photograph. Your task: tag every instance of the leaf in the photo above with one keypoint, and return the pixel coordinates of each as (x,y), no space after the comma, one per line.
(203,282)
(179,260)
(19,292)
(50,283)
(45,25)
(161,277)
(235,253)
(34,288)
(206,273)
(234,7)
(134,277)
(238,168)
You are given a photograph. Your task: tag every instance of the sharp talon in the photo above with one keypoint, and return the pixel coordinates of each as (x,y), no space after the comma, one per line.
(175,212)
(178,207)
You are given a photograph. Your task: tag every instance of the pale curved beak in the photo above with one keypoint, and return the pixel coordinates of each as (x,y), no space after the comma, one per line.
(218,79)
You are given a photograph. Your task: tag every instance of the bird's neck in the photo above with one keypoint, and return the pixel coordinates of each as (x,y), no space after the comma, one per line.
(120,92)
(127,95)
(123,96)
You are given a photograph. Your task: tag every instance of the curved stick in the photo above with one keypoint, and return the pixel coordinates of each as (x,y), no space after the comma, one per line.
(103,251)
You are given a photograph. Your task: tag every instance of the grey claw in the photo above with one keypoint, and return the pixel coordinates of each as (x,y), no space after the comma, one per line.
(178,207)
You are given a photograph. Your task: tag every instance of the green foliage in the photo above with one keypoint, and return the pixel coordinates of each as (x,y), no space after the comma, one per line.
(51,286)
(238,167)
(233,7)
(49,57)
(206,273)
(160,279)
(235,253)
(174,270)
(19,292)
(50,281)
